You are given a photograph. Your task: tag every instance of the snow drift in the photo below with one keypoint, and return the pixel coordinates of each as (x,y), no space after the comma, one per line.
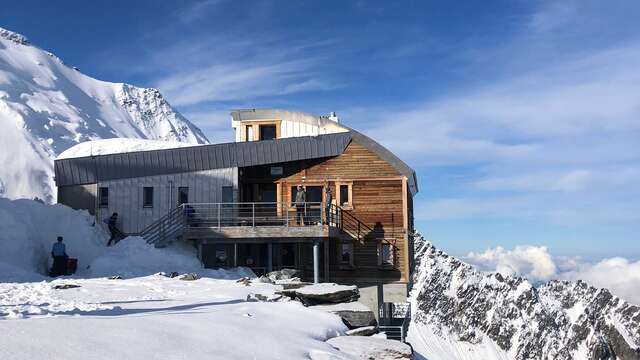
(29,228)
(46,107)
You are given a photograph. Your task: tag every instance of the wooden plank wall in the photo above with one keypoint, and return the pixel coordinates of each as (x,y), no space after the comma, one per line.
(377,199)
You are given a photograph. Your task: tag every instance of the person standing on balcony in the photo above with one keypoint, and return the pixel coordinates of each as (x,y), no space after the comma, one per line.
(328,199)
(301,199)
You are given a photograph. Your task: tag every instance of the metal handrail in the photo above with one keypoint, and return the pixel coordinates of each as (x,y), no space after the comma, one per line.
(224,214)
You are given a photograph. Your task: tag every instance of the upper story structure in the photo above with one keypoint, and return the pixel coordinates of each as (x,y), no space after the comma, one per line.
(236,202)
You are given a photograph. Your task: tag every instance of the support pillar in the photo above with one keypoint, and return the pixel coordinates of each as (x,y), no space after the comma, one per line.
(326,259)
(269,256)
(316,261)
(235,254)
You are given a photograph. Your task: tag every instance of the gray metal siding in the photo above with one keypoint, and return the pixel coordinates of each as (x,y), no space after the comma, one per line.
(88,170)
(125,195)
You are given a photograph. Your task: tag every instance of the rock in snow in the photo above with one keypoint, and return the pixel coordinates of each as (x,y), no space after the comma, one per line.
(363,331)
(324,293)
(47,107)
(462,313)
(353,314)
(364,347)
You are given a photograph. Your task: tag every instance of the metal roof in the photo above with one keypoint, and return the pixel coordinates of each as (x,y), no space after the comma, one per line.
(91,169)
(388,156)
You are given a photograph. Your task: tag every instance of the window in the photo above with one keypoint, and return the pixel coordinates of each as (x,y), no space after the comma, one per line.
(346,254)
(276,171)
(183,195)
(249,132)
(147,196)
(103,197)
(227,194)
(385,254)
(267,132)
(344,195)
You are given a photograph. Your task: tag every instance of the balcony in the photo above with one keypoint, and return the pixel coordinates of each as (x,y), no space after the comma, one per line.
(253,220)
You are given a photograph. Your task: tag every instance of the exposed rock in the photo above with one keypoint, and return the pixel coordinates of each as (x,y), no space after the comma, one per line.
(325,293)
(284,274)
(362,331)
(245,281)
(454,302)
(265,298)
(189,277)
(369,348)
(291,285)
(65,286)
(115,277)
(353,314)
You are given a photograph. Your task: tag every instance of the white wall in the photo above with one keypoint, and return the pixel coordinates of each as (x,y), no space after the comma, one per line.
(294,124)
(125,195)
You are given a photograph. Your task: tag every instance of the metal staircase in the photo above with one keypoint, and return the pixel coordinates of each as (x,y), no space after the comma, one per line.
(167,228)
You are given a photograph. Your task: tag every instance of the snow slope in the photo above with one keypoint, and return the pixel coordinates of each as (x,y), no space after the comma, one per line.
(29,228)
(461,313)
(46,107)
(156,317)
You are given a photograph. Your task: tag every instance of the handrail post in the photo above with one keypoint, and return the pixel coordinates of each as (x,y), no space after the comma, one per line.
(219,216)
(286,211)
(253,214)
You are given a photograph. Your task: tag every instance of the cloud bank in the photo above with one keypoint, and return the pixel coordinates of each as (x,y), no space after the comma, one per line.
(621,276)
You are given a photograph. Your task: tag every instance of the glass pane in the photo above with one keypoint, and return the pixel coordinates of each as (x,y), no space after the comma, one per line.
(267,132)
(344,194)
(147,196)
(183,195)
(104,196)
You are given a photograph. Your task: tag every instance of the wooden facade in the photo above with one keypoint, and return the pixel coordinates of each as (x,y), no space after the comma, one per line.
(377,196)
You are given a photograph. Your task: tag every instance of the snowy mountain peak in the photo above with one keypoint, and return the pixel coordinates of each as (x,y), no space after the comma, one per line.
(462,313)
(15,37)
(47,107)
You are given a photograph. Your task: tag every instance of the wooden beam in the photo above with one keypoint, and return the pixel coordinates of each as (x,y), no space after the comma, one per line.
(405,224)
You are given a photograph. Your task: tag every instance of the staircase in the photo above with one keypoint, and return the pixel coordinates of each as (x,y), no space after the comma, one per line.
(394,319)
(167,228)
(350,226)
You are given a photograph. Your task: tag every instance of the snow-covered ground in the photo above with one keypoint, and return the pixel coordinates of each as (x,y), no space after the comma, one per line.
(144,315)
(156,317)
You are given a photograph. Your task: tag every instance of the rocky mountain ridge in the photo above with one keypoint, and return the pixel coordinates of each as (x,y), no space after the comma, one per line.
(47,106)
(462,313)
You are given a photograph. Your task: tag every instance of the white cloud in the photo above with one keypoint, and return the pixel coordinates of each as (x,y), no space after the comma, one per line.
(619,275)
(534,262)
(234,67)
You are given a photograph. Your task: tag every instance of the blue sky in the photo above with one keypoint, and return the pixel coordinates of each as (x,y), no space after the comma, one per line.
(522,118)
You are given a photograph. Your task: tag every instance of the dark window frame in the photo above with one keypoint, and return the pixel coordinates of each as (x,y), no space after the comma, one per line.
(349,264)
(147,202)
(180,192)
(102,196)
(342,198)
(269,126)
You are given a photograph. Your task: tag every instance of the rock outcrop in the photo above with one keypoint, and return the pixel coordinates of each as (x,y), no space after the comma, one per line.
(453,303)
(370,348)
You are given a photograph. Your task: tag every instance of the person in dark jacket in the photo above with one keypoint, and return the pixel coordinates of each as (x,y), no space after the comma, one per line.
(113,219)
(301,199)
(59,254)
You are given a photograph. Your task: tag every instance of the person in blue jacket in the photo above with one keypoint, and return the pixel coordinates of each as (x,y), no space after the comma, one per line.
(59,254)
